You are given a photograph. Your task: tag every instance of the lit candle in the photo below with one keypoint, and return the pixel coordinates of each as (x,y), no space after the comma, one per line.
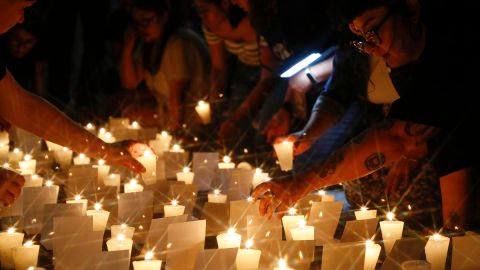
(133,186)
(148,264)
(217,197)
(173,209)
(226,164)
(4,137)
(391,231)
(81,159)
(203,110)
(135,125)
(282,265)
(326,197)
(229,239)
(113,180)
(176,148)
(436,251)
(103,171)
(161,143)
(15,156)
(302,232)
(372,251)
(49,183)
(120,243)
(91,128)
(124,229)
(149,161)
(64,157)
(165,138)
(100,217)
(8,240)
(78,199)
(27,165)
(259,177)
(25,256)
(33,181)
(185,176)
(248,258)
(284,151)
(364,213)
(291,221)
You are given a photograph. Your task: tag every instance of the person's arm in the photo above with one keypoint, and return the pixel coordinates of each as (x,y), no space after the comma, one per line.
(177,88)
(131,73)
(39,117)
(375,148)
(218,74)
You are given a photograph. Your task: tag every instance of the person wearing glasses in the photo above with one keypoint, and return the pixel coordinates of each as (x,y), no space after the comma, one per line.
(32,113)
(171,61)
(427,119)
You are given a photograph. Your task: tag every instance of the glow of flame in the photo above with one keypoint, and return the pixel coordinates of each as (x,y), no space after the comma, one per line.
(149,255)
(292,211)
(227,159)
(11,230)
(164,134)
(97,206)
(78,197)
(216,192)
(363,208)
(186,169)
(120,237)
(133,182)
(27,157)
(231,231)
(49,183)
(390,216)
(249,244)
(28,244)
(101,162)
(322,192)
(174,202)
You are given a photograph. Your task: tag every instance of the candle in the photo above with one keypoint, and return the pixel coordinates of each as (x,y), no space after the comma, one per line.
(135,125)
(226,164)
(25,256)
(364,213)
(284,151)
(416,265)
(149,161)
(291,221)
(33,181)
(282,265)
(326,197)
(78,199)
(124,229)
(185,176)
(4,137)
(103,171)
(108,138)
(230,239)
(15,156)
(372,251)
(27,165)
(8,240)
(4,151)
(302,232)
(49,183)
(259,177)
(161,143)
(176,148)
(391,231)
(203,110)
(64,157)
(148,263)
(119,122)
(248,258)
(436,251)
(81,159)
(217,197)
(173,209)
(120,243)
(100,217)
(113,180)
(133,186)
(91,128)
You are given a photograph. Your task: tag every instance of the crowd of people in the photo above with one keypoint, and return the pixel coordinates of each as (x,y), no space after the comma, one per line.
(386,108)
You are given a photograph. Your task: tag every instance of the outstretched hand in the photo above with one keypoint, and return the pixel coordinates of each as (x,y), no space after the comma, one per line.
(277,196)
(401,171)
(300,142)
(124,153)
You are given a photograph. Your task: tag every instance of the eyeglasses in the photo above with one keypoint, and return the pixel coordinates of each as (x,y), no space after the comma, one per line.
(145,22)
(370,38)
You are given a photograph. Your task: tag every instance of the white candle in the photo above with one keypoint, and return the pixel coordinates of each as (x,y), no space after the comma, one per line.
(173,209)
(100,217)
(185,176)
(165,138)
(148,264)
(81,159)
(176,148)
(282,265)
(124,229)
(203,110)
(133,186)
(217,197)
(372,251)
(113,180)
(103,171)
(108,138)
(229,239)
(9,240)
(15,156)
(302,232)
(161,143)
(25,256)
(284,151)
(259,177)
(149,161)
(364,213)
(78,199)
(120,243)
(391,231)
(248,258)
(4,151)
(4,137)
(119,122)
(91,128)
(135,125)
(291,221)
(33,181)
(436,251)
(64,157)
(27,165)
(326,197)
(227,163)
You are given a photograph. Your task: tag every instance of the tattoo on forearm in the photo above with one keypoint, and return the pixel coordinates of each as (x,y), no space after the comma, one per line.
(330,165)
(422,132)
(375,161)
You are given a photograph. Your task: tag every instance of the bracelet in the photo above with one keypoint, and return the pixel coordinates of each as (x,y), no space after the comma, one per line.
(409,159)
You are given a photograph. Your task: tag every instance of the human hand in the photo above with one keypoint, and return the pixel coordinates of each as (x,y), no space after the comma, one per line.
(278,125)
(300,142)
(278,195)
(11,184)
(400,172)
(300,83)
(124,153)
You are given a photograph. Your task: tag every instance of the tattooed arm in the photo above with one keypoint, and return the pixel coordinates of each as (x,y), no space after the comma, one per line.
(375,148)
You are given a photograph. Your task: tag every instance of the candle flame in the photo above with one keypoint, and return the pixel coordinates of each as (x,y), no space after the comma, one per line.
(231,231)
(149,255)
(81,156)
(89,126)
(27,157)
(31,268)
(16,150)
(49,183)
(108,135)
(35,177)
(11,230)
(292,211)
(227,159)
(28,243)
(133,182)
(216,192)
(174,202)
(282,264)
(258,171)
(436,237)
(250,199)
(176,148)
(65,149)
(322,192)
(186,169)
(390,216)
(78,197)
(147,153)
(97,206)
(120,237)
(164,134)
(6,165)
(101,162)
(123,226)
(363,208)
(102,131)
(202,103)
(135,124)
(249,244)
